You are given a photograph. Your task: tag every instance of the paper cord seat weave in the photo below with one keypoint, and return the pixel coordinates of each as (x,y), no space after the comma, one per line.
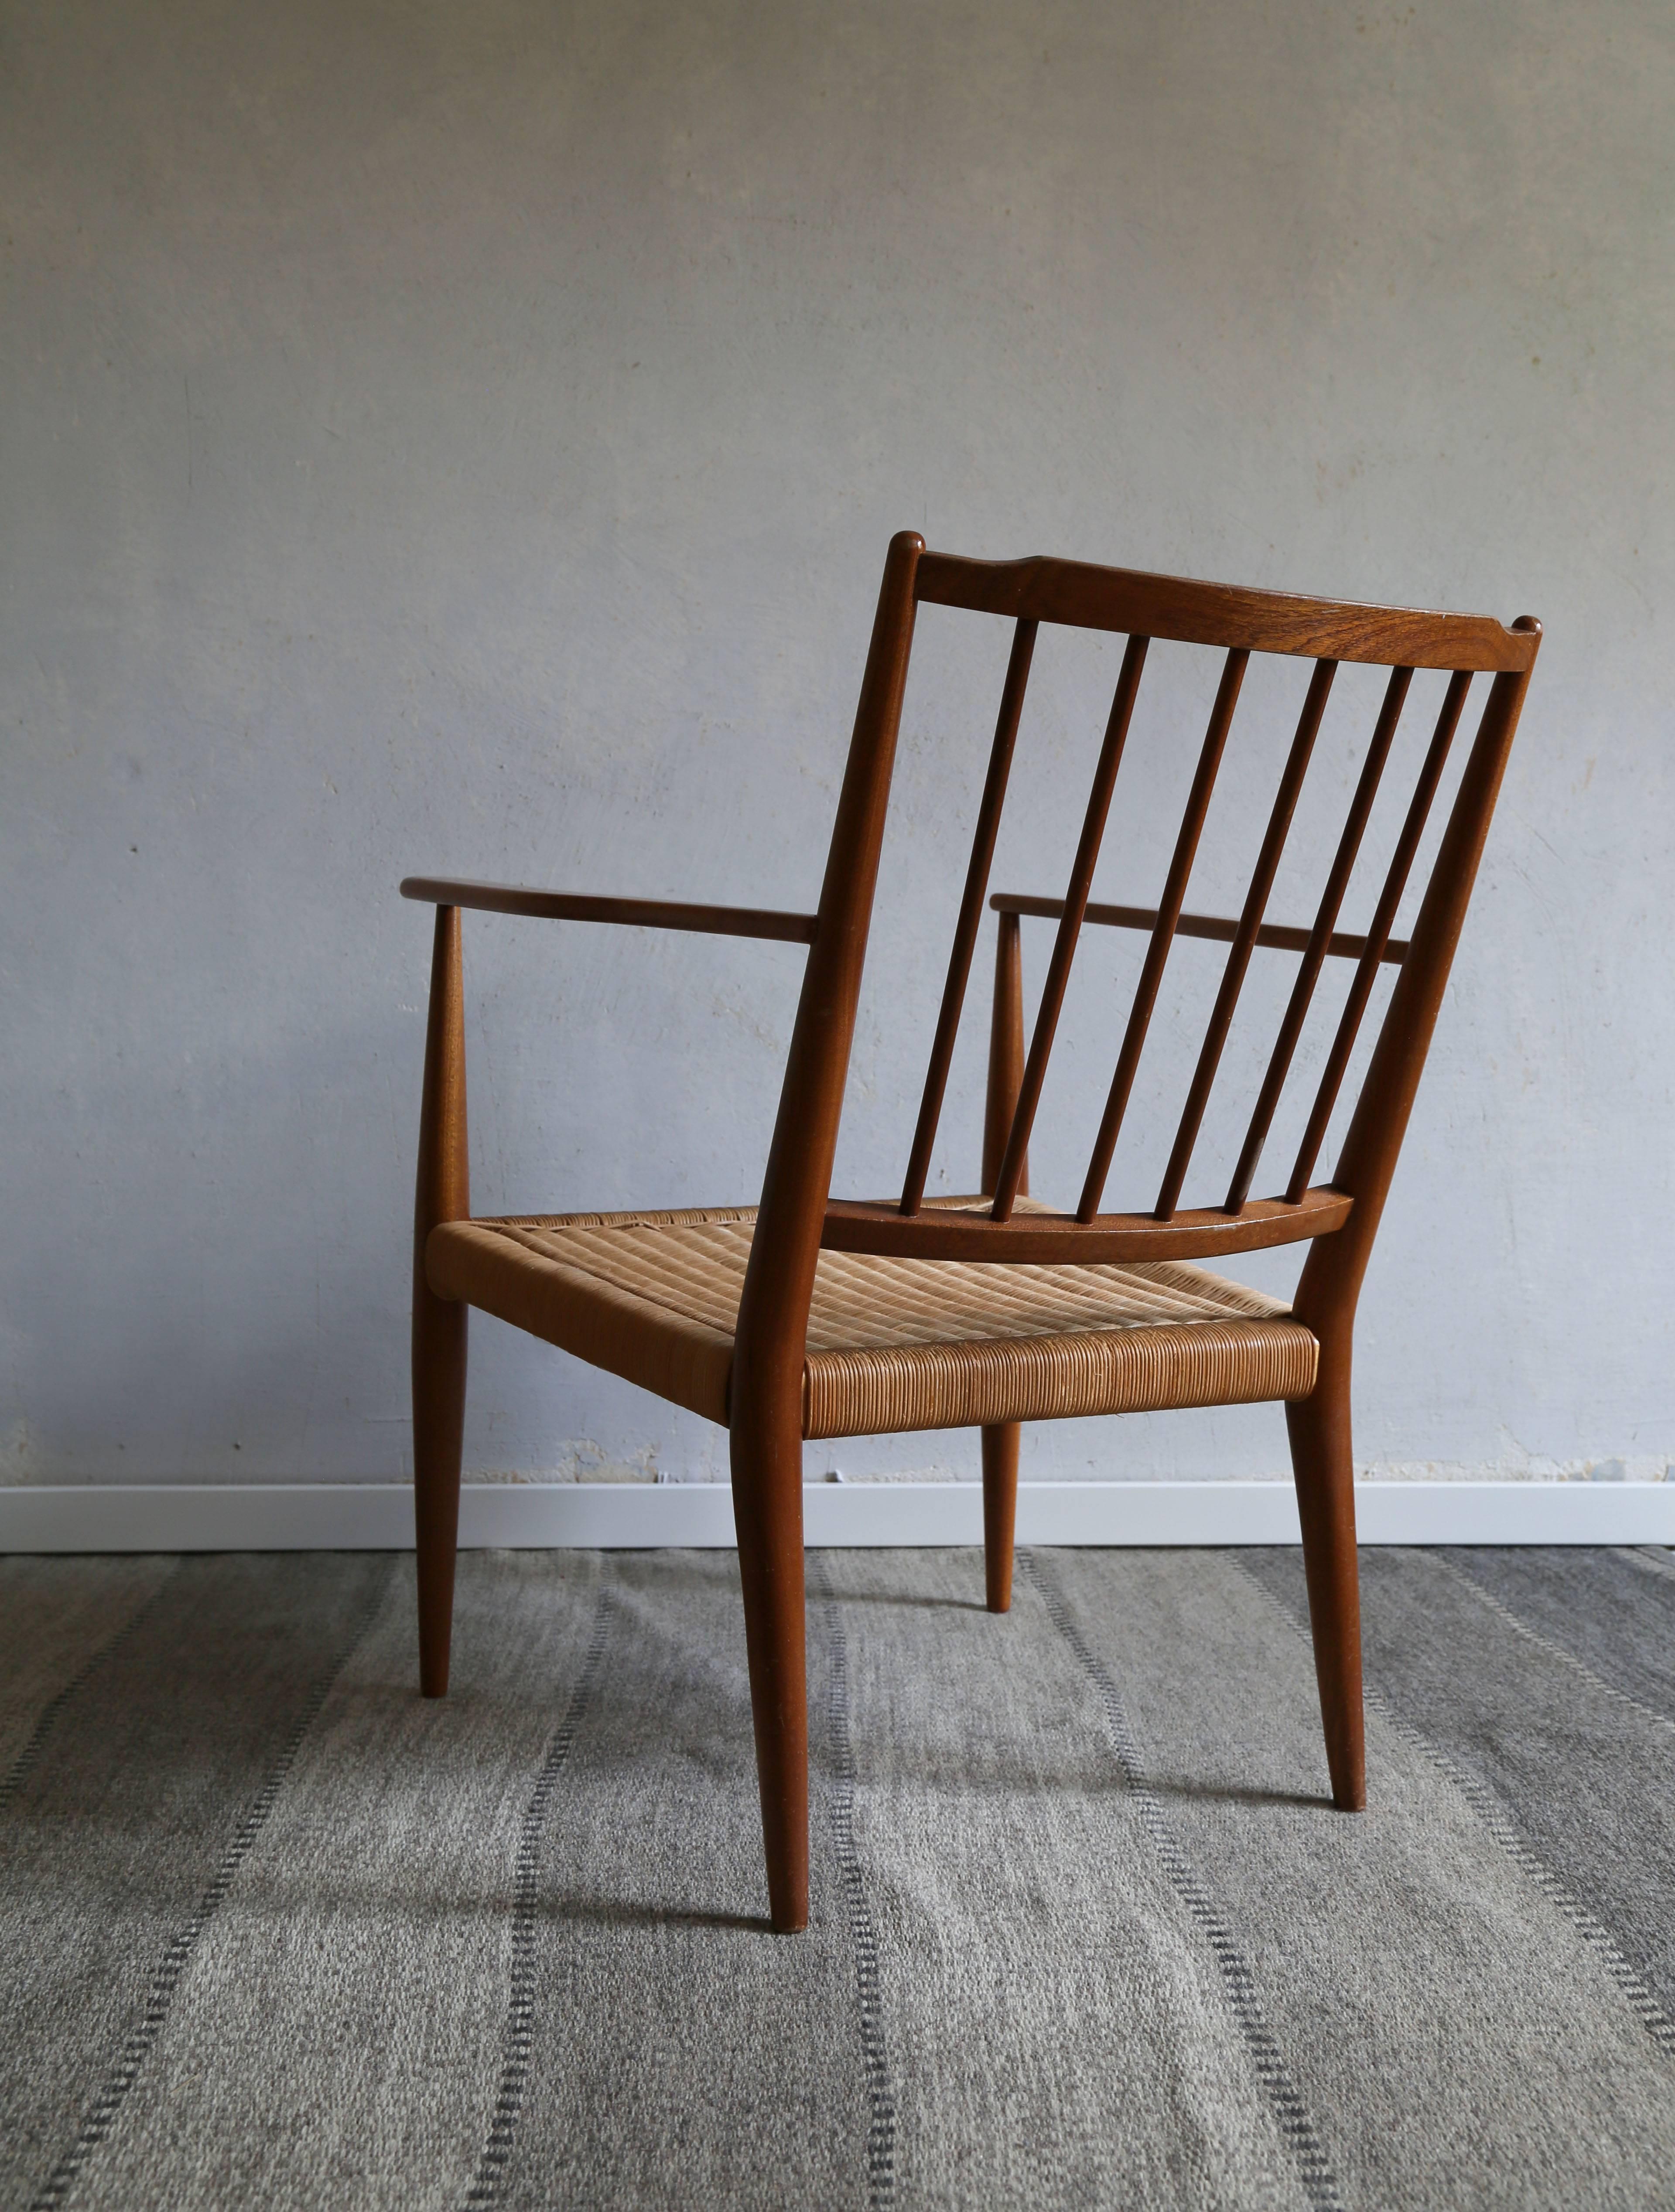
(892,1344)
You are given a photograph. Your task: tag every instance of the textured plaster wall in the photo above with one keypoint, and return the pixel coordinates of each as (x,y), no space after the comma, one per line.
(466,439)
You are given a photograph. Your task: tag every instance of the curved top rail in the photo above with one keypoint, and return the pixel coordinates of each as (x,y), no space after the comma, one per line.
(1085,597)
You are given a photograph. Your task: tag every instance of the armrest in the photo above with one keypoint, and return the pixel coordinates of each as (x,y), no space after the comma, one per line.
(1273,934)
(646,914)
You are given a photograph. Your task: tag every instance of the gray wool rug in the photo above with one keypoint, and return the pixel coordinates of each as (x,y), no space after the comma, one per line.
(1086,1931)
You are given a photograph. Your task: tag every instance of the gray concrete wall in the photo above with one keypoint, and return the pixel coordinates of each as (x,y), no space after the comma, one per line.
(466,439)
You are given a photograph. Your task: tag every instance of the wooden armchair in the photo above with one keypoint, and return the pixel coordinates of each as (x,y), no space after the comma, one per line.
(805,1316)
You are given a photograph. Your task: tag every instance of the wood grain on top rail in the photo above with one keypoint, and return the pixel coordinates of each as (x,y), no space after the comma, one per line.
(1085,597)
(1279,937)
(645,914)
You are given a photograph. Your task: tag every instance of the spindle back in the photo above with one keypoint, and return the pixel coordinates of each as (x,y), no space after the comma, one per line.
(1237,623)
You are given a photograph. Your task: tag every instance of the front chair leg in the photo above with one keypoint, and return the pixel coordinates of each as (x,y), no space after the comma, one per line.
(439,1420)
(767,1506)
(1322,1464)
(442,1194)
(1000,1512)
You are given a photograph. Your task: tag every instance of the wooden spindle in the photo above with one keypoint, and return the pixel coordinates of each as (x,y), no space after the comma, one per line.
(1384,921)
(1250,924)
(971,913)
(1332,898)
(1006,1055)
(1010,1180)
(1163,934)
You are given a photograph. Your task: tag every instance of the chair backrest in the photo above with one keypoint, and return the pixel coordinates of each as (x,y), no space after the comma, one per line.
(1237,623)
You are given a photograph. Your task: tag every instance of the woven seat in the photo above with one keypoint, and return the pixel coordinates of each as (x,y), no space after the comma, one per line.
(892,1344)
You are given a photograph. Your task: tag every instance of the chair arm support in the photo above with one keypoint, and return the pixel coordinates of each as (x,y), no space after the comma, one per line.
(646,914)
(1274,935)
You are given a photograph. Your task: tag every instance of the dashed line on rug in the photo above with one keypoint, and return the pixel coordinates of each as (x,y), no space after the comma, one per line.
(1570,1660)
(101,2115)
(1291,2115)
(27,1760)
(520,2033)
(1487,1805)
(863,1936)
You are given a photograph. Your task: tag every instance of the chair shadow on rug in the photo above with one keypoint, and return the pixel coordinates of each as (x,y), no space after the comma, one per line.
(918,1601)
(807,1316)
(620,1912)
(1237,1793)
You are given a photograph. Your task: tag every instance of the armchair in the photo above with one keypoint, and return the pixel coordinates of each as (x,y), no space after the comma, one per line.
(808,1316)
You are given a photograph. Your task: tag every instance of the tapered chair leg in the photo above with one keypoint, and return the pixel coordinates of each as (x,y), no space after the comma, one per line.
(767,1506)
(442,1194)
(439,1421)
(1321,1463)
(1000,1512)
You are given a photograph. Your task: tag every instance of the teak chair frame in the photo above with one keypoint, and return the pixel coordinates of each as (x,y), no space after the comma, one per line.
(797,1215)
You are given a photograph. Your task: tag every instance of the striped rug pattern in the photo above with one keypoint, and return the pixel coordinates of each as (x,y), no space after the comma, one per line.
(273,1930)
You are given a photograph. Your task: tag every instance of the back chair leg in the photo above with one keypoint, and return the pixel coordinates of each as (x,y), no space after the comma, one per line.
(439,1422)
(767,1504)
(1006,1075)
(1321,1463)
(1000,1512)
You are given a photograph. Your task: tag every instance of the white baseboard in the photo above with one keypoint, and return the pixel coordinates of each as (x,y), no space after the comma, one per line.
(527,1517)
